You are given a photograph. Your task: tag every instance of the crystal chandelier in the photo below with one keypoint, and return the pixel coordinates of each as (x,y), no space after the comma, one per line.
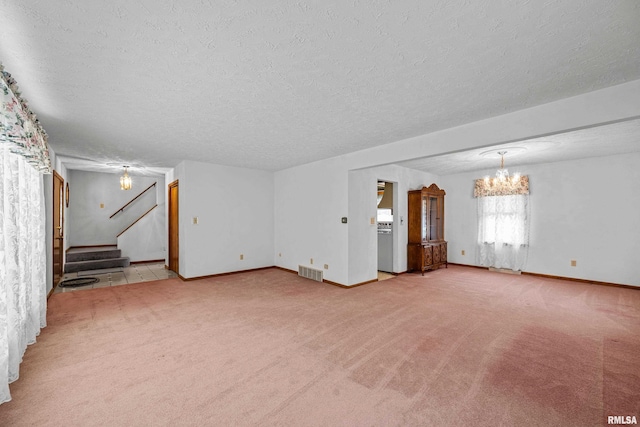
(502,178)
(125,180)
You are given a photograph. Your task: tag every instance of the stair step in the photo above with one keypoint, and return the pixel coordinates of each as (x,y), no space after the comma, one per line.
(96,264)
(94,254)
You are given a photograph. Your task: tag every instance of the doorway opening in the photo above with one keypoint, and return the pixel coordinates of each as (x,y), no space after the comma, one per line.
(172,201)
(385,222)
(58,228)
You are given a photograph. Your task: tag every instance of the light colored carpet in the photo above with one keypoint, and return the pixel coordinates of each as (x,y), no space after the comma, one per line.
(455,347)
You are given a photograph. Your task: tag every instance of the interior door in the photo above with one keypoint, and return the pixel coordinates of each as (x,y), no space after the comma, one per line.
(173,227)
(58,228)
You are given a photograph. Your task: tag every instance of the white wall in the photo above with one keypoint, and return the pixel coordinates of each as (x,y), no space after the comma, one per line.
(363,237)
(89,224)
(310,199)
(585,210)
(234,207)
(146,240)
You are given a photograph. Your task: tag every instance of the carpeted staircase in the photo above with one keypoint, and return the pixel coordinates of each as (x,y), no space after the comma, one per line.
(94,258)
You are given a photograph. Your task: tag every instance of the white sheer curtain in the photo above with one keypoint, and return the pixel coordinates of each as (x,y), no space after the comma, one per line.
(22,263)
(503,231)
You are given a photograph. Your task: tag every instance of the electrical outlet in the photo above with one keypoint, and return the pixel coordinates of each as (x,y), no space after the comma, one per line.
(326,266)
(373,221)
(101,205)
(463,252)
(241,256)
(573,263)
(311,261)
(195,220)
(279,254)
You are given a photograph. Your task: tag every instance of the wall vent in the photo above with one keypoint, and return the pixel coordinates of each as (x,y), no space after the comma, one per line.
(310,273)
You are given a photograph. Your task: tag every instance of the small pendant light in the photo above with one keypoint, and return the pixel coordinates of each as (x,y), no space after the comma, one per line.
(125,180)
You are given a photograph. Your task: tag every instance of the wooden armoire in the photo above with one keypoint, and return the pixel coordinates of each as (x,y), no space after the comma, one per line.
(426,248)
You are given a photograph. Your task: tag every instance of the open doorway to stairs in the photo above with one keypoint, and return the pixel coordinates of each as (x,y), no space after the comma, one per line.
(387,231)
(58,228)
(114,236)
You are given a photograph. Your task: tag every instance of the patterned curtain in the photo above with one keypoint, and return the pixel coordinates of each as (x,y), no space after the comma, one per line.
(23,156)
(23,286)
(19,127)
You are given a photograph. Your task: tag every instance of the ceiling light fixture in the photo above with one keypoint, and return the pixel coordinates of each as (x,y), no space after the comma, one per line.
(503,180)
(125,180)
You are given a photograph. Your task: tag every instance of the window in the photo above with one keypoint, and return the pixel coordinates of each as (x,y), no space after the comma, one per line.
(503,219)
(503,231)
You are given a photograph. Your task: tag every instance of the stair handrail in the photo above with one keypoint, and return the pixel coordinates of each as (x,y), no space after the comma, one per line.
(133,223)
(132,200)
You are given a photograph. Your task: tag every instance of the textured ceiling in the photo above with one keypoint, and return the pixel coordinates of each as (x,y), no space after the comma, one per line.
(617,138)
(274,84)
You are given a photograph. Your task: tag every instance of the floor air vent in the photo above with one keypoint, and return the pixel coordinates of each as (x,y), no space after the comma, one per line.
(310,273)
